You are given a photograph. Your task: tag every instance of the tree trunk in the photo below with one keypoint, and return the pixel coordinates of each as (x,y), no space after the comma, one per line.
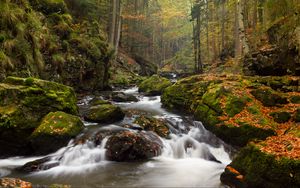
(223,25)
(112,28)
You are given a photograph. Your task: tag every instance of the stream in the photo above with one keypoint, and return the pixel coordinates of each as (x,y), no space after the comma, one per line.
(85,166)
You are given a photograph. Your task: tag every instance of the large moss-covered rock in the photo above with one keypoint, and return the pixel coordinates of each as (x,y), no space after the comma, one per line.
(102,111)
(269,97)
(133,146)
(24,102)
(281,116)
(154,85)
(255,168)
(235,108)
(152,124)
(55,131)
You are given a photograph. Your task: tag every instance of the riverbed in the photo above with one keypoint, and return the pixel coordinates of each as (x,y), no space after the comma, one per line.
(85,165)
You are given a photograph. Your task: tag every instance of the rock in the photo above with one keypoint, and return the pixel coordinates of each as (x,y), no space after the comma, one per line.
(55,131)
(103,112)
(297,115)
(14,183)
(38,165)
(122,97)
(152,124)
(25,101)
(133,146)
(268,62)
(154,85)
(281,117)
(295,99)
(255,168)
(147,68)
(226,105)
(269,97)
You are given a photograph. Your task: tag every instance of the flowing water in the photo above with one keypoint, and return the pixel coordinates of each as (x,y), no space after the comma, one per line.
(178,166)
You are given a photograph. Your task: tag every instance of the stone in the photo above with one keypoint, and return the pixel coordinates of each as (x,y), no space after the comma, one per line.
(24,102)
(55,131)
(103,112)
(149,123)
(154,85)
(260,169)
(122,97)
(281,117)
(269,97)
(127,146)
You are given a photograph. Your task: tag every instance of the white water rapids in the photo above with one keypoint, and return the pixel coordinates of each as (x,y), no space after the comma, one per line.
(178,165)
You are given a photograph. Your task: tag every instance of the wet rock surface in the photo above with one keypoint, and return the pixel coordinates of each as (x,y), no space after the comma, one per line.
(133,146)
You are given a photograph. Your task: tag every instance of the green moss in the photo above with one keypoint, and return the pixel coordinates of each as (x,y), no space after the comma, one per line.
(235,104)
(33,99)
(213,96)
(269,97)
(153,124)
(49,6)
(104,113)
(60,124)
(264,170)
(206,115)
(154,85)
(281,116)
(254,109)
(295,99)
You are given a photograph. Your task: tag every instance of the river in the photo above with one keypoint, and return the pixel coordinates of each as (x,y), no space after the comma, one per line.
(85,165)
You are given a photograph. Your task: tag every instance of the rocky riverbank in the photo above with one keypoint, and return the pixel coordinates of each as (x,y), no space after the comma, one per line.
(263,111)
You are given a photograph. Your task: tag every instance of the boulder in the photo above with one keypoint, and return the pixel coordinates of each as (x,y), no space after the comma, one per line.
(281,116)
(235,108)
(253,167)
(269,97)
(122,97)
(38,165)
(55,131)
(24,102)
(154,85)
(102,111)
(149,123)
(133,146)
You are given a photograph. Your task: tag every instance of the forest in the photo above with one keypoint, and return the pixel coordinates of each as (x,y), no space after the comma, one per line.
(150,93)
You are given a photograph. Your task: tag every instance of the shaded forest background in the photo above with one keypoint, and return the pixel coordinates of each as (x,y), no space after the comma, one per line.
(76,41)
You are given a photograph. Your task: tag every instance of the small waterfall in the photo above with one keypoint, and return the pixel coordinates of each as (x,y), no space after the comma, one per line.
(84,154)
(191,157)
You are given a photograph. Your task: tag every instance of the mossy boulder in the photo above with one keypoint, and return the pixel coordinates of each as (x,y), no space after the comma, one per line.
(24,102)
(154,85)
(235,108)
(255,168)
(149,123)
(269,97)
(295,99)
(102,111)
(123,97)
(133,146)
(55,131)
(281,116)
